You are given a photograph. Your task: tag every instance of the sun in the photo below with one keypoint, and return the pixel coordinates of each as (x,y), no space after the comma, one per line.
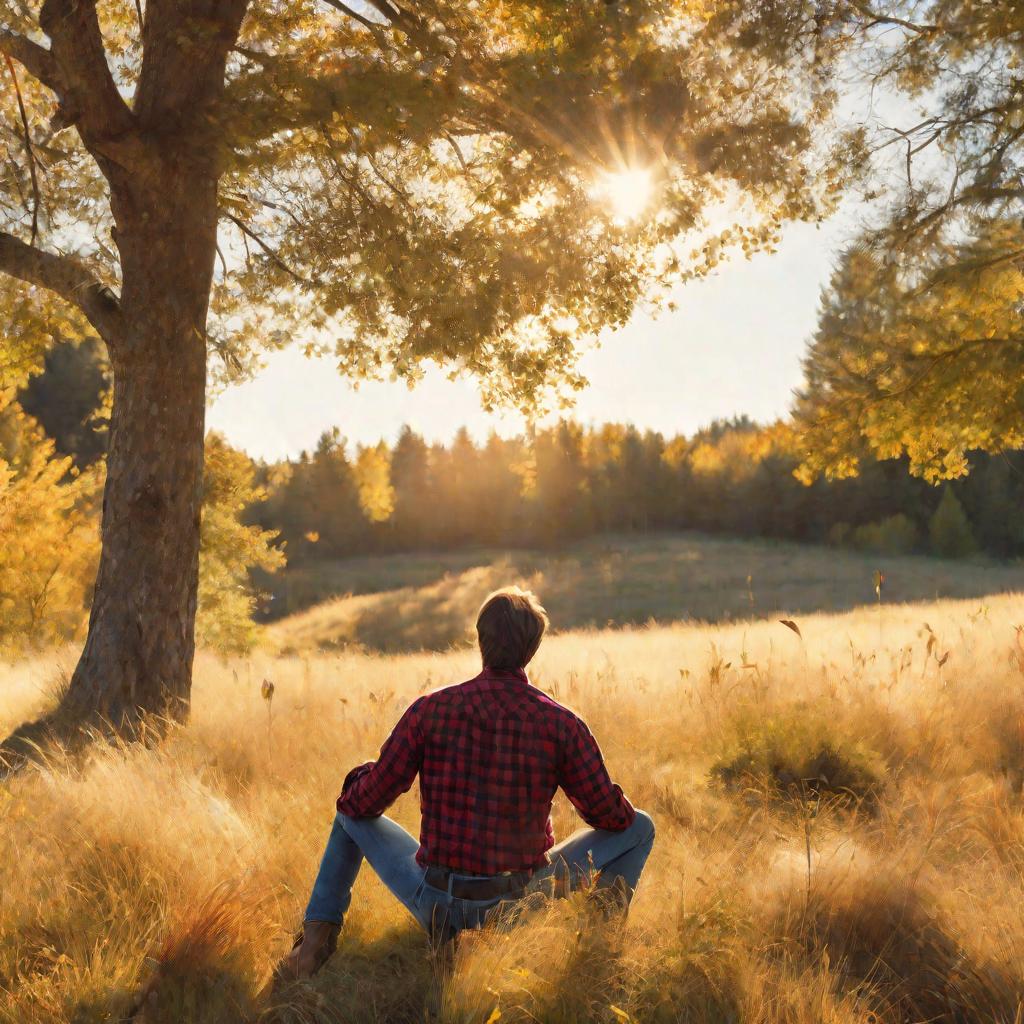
(628,191)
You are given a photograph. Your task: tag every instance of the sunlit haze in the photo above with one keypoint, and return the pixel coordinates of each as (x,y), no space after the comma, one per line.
(628,191)
(732,346)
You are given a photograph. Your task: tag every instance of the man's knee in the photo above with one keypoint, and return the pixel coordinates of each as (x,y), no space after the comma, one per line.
(643,827)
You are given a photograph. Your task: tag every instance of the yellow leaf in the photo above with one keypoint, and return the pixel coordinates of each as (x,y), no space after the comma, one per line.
(621,1014)
(495,1015)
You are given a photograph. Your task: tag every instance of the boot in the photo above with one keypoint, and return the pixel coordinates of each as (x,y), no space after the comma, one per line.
(610,902)
(313,948)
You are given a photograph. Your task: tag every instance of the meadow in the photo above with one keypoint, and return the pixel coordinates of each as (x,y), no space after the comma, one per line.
(413,601)
(839,813)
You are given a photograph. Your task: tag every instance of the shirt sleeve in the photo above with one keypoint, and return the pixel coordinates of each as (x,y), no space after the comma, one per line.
(371,788)
(585,781)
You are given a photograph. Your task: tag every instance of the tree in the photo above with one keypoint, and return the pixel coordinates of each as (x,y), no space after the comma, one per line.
(230,550)
(458,478)
(416,182)
(561,504)
(373,480)
(916,362)
(501,510)
(320,508)
(949,529)
(919,347)
(48,516)
(48,554)
(414,504)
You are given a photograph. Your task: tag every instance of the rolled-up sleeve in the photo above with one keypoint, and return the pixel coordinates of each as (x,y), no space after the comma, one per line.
(369,789)
(585,781)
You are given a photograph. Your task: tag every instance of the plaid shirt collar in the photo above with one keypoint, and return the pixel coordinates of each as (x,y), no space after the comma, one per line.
(505,675)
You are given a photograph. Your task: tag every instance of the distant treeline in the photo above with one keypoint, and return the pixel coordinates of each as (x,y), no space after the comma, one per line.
(570,481)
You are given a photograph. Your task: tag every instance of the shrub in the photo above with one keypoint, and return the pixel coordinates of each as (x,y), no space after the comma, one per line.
(795,755)
(950,529)
(896,535)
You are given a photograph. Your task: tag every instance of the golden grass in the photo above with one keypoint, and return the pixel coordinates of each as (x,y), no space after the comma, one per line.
(418,601)
(163,883)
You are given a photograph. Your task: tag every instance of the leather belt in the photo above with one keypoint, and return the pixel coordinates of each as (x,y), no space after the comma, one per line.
(484,887)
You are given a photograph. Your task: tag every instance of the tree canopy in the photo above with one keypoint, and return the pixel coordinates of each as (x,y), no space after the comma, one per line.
(400,184)
(919,346)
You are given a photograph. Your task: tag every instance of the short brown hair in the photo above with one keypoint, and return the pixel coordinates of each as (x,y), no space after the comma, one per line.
(510,626)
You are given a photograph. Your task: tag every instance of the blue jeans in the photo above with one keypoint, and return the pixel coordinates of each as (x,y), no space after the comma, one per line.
(391,852)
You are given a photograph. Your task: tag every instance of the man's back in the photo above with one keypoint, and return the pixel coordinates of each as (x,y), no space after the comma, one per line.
(490,753)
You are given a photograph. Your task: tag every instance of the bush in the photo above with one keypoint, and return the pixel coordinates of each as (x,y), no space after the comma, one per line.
(950,529)
(896,535)
(793,755)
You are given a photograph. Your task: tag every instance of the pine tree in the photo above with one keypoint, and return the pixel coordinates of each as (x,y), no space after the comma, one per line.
(415,520)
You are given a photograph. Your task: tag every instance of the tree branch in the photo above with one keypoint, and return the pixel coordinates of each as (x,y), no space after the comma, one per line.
(354,15)
(391,13)
(185,45)
(65,277)
(247,232)
(883,19)
(37,60)
(29,152)
(89,93)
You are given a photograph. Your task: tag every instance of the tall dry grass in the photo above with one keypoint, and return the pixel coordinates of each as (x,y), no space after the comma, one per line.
(840,838)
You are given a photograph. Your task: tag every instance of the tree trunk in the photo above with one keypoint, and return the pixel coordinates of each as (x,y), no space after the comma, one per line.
(138,655)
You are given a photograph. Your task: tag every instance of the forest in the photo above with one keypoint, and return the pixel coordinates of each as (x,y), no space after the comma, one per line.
(564,483)
(569,481)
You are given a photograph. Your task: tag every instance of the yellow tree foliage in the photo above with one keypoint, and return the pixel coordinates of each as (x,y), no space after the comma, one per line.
(373,479)
(229,549)
(48,519)
(918,348)
(921,360)
(49,550)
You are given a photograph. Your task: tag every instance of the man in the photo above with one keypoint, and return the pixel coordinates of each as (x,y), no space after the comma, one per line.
(490,754)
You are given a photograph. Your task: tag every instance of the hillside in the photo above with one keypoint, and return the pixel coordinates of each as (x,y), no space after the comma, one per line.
(840,838)
(408,602)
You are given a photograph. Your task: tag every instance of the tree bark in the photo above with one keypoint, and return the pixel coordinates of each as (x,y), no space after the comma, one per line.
(137,658)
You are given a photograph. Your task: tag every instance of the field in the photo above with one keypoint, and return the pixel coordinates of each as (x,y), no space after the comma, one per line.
(408,602)
(840,837)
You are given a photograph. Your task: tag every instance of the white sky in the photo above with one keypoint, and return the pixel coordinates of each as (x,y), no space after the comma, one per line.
(733,346)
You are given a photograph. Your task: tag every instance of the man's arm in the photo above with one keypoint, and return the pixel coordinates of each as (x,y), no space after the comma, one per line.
(371,788)
(585,781)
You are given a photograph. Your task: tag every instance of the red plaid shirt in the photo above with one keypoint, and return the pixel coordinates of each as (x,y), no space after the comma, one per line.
(490,754)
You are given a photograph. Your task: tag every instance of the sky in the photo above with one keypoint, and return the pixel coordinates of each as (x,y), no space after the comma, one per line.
(732,346)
